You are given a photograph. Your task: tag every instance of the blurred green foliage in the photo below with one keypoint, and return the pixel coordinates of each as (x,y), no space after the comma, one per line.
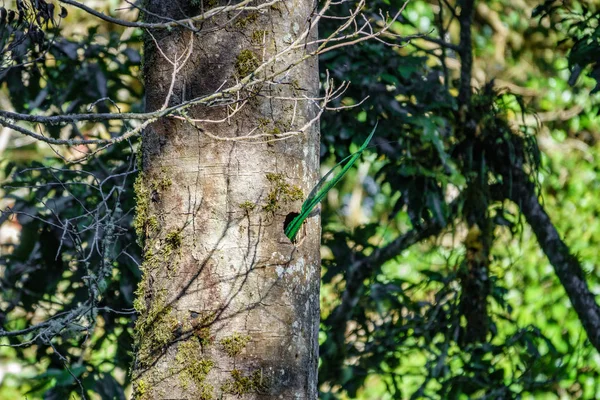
(403,336)
(402,339)
(65,210)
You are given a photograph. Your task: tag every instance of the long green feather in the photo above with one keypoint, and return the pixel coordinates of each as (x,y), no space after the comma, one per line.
(321,189)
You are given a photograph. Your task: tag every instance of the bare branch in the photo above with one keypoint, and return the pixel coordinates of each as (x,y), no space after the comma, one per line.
(227,97)
(186,22)
(566,266)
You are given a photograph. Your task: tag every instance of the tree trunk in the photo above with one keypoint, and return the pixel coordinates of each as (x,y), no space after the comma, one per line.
(228,306)
(566,265)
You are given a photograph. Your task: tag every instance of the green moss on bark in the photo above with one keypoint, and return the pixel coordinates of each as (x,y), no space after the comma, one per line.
(192,370)
(241,23)
(258,37)
(281,192)
(246,63)
(145,223)
(200,324)
(247,206)
(241,384)
(155,329)
(141,390)
(234,344)
(142,208)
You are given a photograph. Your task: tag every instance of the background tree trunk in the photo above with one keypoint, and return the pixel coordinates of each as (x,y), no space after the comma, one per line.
(228,305)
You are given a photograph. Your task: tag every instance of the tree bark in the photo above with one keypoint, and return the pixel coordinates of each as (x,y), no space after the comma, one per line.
(229,307)
(465,50)
(474,277)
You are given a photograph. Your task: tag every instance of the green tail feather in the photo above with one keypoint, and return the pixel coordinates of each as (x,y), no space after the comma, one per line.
(321,189)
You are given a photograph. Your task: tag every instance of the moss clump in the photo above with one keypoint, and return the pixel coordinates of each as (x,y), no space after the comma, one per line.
(142,207)
(240,384)
(192,369)
(258,37)
(284,125)
(201,327)
(152,223)
(247,206)
(234,344)
(154,330)
(171,245)
(205,392)
(144,223)
(263,123)
(173,239)
(139,304)
(139,157)
(152,261)
(244,21)
(281,192)
(275,127)
(163,183)
(246,63)
(141,390)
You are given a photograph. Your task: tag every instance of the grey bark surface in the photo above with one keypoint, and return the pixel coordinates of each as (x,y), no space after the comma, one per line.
(229,307)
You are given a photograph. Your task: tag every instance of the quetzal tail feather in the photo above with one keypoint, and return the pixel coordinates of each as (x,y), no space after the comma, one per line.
(322,187)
